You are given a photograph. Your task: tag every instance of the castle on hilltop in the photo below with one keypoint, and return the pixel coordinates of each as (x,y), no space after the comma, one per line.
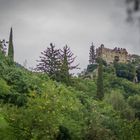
(110,55)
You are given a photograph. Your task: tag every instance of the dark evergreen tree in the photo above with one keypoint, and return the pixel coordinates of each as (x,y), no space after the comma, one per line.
(50,62)
(100,86)
(67,59)
(11,47)
(92,55)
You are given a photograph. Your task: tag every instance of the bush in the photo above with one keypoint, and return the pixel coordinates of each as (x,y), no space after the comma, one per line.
(116,99)
(134,102)
(125,71)
(4,89)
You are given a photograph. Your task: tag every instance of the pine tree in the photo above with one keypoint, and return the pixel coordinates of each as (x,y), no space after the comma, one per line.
(50,62)
(100,87)
(11,47)
(67,59)
(92,56)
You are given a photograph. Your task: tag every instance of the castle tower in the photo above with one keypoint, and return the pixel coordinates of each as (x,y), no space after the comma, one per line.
(111,55)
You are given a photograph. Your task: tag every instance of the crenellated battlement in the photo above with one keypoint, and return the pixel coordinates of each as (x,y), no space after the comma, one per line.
(109,55)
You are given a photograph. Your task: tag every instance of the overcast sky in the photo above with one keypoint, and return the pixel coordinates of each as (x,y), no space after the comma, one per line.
(77,23)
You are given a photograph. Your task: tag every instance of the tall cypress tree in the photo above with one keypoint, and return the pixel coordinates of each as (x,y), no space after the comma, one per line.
(100,87)
(11,47)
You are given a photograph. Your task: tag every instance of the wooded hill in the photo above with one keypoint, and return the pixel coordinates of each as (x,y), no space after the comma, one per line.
(38,106)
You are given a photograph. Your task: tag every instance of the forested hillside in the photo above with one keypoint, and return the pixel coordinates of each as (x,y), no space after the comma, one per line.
(54,86)
(44,106)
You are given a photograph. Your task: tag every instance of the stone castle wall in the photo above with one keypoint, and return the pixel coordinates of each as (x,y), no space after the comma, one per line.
(109,55)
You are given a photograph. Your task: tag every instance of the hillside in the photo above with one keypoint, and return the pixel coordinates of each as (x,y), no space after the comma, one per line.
(34,107)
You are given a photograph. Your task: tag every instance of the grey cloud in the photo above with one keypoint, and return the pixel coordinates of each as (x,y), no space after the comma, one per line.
(77,23)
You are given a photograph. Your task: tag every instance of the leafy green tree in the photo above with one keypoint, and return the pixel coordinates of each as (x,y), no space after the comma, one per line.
(17,79)
(104,123)
(100,86)
(127,71)
(116,99)
(43,115)
(134,102)
(110,70)
(11,47)
(50,62)
(4,89)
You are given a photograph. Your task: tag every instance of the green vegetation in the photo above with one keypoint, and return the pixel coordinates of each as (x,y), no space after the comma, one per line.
(57,63)
(35,106)
(100,86)
(127,71)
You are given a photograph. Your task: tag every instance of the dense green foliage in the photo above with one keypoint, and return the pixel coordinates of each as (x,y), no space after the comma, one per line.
(127,71)
(35,107)
(100,86)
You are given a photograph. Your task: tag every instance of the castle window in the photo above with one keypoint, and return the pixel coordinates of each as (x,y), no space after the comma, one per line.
(116,58)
